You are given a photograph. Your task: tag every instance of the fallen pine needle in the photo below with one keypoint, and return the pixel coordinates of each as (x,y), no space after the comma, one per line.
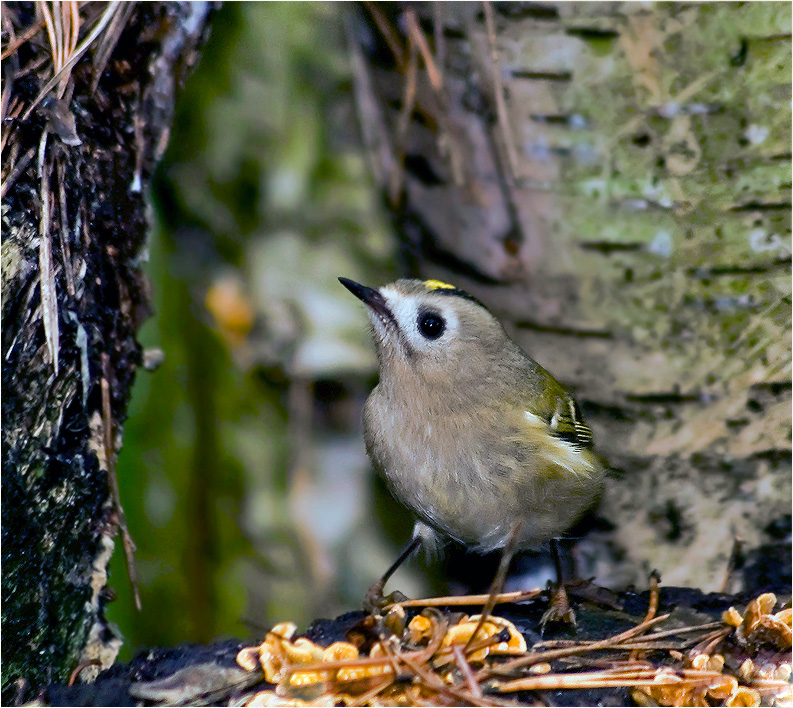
(606,679)
(466,600)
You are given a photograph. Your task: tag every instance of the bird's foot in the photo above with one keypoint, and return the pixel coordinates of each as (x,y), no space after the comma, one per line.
(559,610)
(375,602)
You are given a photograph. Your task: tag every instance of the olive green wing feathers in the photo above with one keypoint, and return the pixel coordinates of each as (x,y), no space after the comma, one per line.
(566,422)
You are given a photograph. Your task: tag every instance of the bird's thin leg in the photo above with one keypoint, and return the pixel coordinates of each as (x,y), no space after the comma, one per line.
(498,582)
(559,609)
(557,560)
(374,600)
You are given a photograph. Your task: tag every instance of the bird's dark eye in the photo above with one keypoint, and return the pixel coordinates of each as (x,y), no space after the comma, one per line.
(431,325)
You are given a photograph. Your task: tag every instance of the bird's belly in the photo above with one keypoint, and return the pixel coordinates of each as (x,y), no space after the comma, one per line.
(475,484)
(479,502)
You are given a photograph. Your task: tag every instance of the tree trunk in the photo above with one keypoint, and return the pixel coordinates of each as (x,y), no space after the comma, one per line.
(613,180)
(75,168)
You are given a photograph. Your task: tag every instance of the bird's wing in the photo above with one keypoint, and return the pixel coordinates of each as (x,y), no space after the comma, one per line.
(567,423)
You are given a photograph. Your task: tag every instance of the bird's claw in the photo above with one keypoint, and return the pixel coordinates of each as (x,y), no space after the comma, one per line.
(559,610)
(375,602)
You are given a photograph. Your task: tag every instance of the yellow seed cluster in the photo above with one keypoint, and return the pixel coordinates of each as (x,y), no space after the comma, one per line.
(428,661)
(757,624)
(461,634)
(340,675)
(708,685)
(698,687)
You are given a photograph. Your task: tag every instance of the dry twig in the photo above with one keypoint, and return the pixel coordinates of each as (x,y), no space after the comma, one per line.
(17,42)
(17,170)
(544,656)
(470,600)
(417,37)
(76,54)
(49,300)
(498,89)
(387,32)
(127,542)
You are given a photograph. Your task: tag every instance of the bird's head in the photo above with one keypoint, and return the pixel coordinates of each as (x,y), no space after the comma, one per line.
(432,329)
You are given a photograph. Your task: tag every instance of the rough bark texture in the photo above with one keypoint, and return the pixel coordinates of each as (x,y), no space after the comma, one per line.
(74,235)
(613,179)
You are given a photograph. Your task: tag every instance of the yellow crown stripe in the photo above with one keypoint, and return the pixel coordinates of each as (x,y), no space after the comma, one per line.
(438,285)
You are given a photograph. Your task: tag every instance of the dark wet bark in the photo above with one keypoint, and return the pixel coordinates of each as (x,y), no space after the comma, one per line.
(74,296)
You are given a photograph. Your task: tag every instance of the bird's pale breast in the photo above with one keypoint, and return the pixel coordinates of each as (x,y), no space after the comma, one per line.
(473,477)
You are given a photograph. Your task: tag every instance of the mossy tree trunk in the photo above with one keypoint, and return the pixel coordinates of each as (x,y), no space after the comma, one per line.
(74,236)
(613,179)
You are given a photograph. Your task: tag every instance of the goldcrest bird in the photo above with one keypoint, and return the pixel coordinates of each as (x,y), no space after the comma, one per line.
(475,437)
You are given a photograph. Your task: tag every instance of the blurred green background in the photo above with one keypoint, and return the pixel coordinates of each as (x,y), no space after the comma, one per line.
(243,474)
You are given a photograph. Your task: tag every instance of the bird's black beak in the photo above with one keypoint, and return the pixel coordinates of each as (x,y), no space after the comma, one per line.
(371,297)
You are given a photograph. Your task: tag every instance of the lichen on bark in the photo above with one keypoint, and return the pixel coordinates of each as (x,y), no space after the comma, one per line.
(637,238)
